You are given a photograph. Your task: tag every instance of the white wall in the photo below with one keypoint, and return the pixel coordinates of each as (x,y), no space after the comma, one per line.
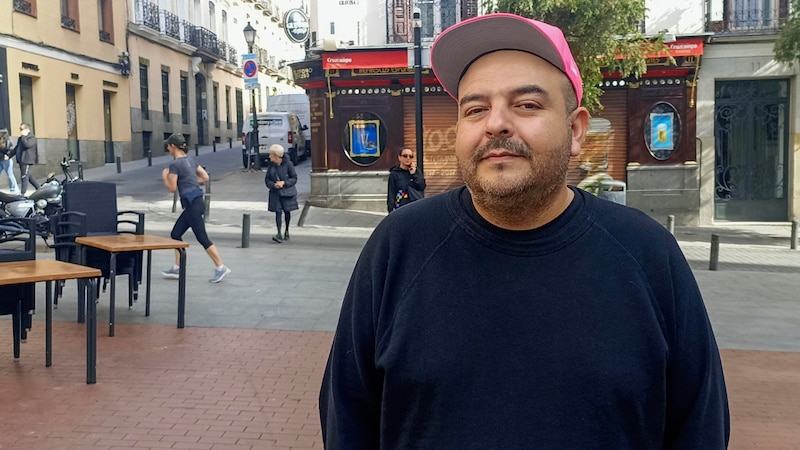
(677,16)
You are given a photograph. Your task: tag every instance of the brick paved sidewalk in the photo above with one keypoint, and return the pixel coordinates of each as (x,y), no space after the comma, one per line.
(226,388)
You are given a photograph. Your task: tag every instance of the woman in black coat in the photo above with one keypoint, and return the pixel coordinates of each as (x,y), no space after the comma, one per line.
(280,180)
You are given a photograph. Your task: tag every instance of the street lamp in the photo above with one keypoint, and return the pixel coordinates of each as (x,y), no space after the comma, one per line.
(252,142)
(418,83)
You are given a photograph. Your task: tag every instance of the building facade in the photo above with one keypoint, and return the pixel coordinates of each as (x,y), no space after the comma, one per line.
(186,74)
(60,73)
(746,130)
(707,136)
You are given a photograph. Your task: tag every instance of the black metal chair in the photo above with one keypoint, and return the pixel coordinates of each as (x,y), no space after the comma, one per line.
(18,243)
(90,209)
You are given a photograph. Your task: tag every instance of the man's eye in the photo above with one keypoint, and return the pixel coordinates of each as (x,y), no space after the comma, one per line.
(529,105)
(473,111)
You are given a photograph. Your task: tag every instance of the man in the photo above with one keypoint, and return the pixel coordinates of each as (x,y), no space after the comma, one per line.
(27,155)
(522,313)
(406,183)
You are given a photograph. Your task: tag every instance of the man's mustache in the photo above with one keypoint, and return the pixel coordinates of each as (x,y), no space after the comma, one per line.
(514,147)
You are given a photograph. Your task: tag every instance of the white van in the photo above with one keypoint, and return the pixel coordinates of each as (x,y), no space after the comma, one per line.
(274,128)
(298,105)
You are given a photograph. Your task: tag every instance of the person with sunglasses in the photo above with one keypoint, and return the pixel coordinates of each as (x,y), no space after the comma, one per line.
(406,183)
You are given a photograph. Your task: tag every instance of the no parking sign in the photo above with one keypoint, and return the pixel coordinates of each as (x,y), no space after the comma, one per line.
(250,70)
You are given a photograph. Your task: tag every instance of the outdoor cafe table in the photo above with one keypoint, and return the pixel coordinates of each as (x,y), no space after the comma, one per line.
(117,243)
(34,271)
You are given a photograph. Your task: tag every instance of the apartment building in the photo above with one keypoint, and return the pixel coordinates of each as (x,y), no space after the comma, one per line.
(186,77)
(60,72)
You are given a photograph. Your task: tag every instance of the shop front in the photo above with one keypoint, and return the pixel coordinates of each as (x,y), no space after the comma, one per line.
(362,114)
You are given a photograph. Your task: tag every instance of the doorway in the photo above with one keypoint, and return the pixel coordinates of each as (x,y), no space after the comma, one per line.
(202,112)
(73,149)
(752,148)
(108,141)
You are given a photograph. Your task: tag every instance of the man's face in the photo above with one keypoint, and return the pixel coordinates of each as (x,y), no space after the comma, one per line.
(513,137)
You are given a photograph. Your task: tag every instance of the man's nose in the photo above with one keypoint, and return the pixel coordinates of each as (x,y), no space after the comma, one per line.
(498,123)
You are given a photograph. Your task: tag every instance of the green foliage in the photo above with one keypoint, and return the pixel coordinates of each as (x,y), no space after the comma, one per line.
(787,47)
(597,31)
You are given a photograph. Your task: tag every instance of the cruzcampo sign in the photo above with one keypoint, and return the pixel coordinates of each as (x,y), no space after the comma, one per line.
(295,22)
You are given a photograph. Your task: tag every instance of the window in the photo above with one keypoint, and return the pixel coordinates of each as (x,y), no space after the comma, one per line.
(26,100)
(165,93)
(144,91)
(69,15)
(26,7)
(184,98)
(215,105)
(228,106)
(105,20)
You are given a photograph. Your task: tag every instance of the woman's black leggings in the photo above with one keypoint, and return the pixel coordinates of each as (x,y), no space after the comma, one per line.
(192,217)
(278,222)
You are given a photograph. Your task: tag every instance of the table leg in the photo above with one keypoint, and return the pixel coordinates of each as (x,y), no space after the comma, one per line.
(90,284)
(48,327)
(112,273)
(147,289)
(93,295)
(181,286)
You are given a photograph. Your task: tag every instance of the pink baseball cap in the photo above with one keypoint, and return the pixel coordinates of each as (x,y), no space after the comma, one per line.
(461,44)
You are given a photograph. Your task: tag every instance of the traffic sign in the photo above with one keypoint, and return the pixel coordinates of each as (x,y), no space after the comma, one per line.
(250,70)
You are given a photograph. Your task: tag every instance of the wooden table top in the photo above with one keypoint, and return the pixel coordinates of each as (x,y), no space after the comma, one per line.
(130,242)
(34,271)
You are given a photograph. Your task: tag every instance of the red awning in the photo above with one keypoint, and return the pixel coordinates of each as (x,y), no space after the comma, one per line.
(379,59)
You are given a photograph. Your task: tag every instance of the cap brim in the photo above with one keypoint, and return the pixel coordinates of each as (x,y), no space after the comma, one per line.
(460,45)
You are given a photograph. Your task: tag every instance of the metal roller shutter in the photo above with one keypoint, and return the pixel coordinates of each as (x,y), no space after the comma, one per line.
(605,152)
(439,135)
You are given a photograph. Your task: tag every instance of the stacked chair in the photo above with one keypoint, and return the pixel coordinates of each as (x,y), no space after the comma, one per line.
(90,209)
(18,243)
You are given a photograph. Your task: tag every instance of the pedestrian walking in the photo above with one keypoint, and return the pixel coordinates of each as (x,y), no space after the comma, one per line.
(186,176)
(281,179)
(27,154)
(406,182)
(7,160)
(519,312)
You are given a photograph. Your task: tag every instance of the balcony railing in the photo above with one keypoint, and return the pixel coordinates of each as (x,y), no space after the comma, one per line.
(105,36)
(172,25)
(233,56)
(68,22)
(23,6)
(205,41)
(147,14)
(747,17)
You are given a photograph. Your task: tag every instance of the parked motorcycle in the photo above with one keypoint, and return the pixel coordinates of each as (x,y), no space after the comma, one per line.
(42,203)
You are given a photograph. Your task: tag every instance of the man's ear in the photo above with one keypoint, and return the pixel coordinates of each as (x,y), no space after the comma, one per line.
(579,124)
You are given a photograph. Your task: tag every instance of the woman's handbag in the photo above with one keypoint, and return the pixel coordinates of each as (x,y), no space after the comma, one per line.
(285,191)
(415,194)
(288,191)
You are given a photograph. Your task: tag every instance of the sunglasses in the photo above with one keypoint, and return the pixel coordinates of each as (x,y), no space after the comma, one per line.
(407,156)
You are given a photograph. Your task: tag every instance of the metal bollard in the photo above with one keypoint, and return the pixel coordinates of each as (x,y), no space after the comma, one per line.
(303,214)
(230,142)
(175,201)
(149,158)
(246,230)
(214,146)
(714,261)
(119,164)
(793,243)
(196,149)
(671,223)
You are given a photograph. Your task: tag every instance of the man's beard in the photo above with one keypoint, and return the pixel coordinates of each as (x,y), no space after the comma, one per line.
(515,197)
